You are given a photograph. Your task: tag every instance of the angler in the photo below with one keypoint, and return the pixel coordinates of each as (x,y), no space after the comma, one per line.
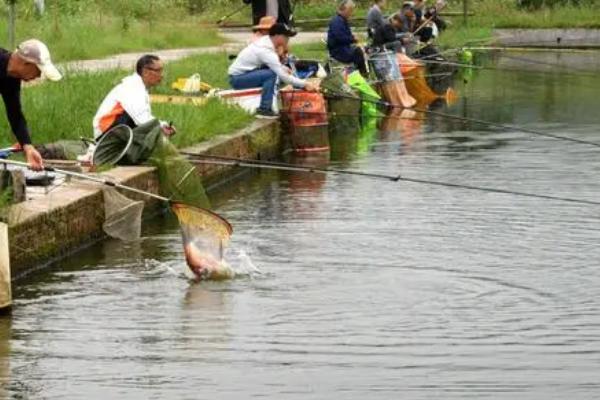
(30,61)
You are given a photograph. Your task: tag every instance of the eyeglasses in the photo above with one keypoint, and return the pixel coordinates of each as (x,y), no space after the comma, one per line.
(157,70)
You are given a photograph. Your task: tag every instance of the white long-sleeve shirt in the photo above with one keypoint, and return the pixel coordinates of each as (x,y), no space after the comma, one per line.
(262,54)
(131,97)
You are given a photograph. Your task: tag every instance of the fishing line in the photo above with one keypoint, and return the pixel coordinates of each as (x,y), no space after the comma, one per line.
(549,64)
(237,162)
(478,121)
(336,114)
(488,68)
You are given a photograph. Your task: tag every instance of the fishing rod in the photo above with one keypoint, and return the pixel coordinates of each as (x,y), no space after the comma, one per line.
(274,165)
(237,10)
(292,19)
(475,120)
(428,20)
(546,63)
(336,114)
(577,72)
(238,162)
(92,178)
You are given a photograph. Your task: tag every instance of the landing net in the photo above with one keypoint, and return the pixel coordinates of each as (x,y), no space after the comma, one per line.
(205,236)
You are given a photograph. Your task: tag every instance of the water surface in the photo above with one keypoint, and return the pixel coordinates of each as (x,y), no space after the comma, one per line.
(368,289)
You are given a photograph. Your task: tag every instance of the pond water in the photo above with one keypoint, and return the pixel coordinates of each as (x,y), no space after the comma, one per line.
(354,288)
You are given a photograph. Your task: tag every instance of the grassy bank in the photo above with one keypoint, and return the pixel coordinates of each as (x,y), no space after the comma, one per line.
(64,110)
(95,32)
(488,15)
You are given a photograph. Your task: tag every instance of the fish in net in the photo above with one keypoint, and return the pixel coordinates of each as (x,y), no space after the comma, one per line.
(205,236)
(122,216)
(204,233)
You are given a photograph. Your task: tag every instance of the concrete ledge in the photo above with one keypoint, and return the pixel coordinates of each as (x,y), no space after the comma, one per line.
(71,216)
(548,38)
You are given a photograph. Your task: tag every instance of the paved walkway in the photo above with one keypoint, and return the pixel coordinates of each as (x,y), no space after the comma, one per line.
(236,38)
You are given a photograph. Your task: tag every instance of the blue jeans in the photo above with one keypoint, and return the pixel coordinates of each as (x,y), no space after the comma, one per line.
(263,78)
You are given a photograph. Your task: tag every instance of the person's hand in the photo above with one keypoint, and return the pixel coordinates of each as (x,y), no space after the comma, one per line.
(33,157)
(168,128)
(311,87)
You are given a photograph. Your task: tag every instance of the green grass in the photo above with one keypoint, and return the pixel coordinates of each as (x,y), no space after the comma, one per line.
(196,124)
(64,110)
(89,36)
(489,14)
(211,67)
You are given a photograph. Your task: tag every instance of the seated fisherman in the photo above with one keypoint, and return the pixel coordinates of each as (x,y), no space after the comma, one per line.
(390,35)
(419,9)
(341,43)
(30,61)
(262,29)
(375,19)
(128,103)
(409,18)
(259,65)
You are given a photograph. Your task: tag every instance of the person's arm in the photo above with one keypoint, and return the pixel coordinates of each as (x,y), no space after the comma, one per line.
(339,35)
(11,94)
(271,60)
(380,20)
(388,33)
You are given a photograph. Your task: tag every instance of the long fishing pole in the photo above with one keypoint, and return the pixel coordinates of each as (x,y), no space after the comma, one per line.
(577,72)
(274,165)
(546,63)
(358,114)
(238,162)
(237,10)
(92,178)
(475,120)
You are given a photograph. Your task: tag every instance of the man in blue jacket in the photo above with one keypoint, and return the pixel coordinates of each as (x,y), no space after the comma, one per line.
(341,43)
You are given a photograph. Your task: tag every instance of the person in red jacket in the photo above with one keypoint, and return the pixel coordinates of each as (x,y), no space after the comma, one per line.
(280,9)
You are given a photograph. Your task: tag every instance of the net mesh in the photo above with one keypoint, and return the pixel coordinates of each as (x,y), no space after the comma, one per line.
(122,216)
(113,145)
(418,88)
(178,178)
(343,103)
(205,235)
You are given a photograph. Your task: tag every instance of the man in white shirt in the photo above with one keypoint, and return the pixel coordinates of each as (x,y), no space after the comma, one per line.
(128,103)
(259,65)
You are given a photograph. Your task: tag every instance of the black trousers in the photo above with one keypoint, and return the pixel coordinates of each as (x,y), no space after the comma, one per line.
(259,10)
(360,61)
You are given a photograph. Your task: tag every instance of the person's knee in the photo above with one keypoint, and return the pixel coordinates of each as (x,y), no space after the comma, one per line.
(270,75)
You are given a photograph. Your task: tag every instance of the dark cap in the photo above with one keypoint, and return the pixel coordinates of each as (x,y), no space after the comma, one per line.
(282,29)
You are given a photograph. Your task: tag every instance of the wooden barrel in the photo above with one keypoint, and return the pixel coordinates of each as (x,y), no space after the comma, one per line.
(305,120)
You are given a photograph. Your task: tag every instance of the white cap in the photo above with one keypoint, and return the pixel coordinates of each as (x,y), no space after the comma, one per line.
(36,52)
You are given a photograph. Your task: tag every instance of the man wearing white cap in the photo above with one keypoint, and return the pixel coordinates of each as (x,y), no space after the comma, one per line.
(31,60)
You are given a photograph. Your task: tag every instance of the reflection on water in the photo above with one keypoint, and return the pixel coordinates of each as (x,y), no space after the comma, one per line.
(366,288)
